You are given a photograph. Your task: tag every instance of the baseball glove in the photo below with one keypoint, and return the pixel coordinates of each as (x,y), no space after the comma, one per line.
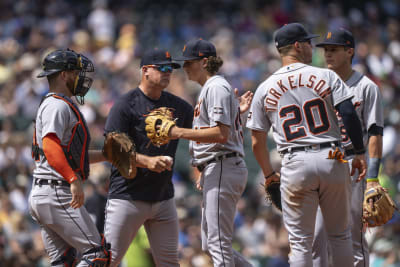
(378,207)
(158,123)
(120,150)
(273,191)
(337,155)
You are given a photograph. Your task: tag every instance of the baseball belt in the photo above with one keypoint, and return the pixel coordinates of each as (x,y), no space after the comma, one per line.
(310,147)
(201,167)
(39,181)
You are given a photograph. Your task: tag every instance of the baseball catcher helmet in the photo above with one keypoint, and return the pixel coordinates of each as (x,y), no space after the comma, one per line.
(61,60)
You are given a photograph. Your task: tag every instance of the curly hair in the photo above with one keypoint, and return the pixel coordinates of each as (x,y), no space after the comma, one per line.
(213,64)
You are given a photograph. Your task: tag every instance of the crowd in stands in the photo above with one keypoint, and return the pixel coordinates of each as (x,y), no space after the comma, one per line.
(114,35)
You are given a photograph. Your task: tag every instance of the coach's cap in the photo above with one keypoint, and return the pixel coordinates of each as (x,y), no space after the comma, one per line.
(158,57)
(338,37)
(291,33)
(197,49)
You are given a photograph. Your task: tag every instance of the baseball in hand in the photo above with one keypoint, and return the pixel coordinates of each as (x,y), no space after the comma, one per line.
(170,160)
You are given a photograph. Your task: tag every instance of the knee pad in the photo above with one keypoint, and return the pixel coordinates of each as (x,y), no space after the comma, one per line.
(68,259)
(98,256)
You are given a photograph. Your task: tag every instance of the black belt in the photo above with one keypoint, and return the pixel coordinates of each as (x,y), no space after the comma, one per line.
(349,152)
(39,181)
(220,157)
(310,147)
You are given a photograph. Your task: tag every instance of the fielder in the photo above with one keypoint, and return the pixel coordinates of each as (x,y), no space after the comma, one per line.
(148,198)
(338,46)
(299,102)
(60,149)
(216,147)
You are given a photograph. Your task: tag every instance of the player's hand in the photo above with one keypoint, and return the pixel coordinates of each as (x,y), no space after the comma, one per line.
(78,196)
(359,163)
(160,163)
(244,100)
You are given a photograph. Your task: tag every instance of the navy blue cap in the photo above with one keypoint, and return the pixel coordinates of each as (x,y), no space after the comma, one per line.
(291,33)
(338,37)
(158,57)
(197,49)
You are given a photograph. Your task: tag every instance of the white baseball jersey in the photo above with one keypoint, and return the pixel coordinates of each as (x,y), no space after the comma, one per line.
(54,116)
(217,103)
(298,101)
(367,101)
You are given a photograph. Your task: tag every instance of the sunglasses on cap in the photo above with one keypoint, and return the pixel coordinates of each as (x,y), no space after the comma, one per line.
(162,68)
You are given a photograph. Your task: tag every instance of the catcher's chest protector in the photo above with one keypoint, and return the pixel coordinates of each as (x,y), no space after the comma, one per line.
(77,150)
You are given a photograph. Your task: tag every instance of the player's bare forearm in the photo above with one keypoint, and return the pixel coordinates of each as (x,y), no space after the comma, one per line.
(260,151)
(96,156)
(156,163)
(217,134)
(375,146)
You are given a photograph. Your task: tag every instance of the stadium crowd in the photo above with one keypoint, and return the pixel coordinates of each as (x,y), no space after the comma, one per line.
(114,34)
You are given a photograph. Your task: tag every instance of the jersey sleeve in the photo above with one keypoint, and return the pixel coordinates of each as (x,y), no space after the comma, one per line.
(373,109)
(340,91)
(257,118)
(55,116)
(118,118)
(218,105)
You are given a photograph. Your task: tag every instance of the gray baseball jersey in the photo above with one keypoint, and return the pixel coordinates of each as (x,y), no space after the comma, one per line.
(63,228)
(223,180)
(367,101)
(217,103)
(298,102)
(53,116)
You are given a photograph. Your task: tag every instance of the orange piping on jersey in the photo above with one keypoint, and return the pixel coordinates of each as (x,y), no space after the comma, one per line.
(273,92)
(82,160)
(311,80)
(320,116)
(319,86)
(325,93)
(282,87)
(291,82)
(56,158)
(300,84)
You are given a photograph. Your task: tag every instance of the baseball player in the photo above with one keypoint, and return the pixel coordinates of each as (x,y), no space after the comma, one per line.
(148,198)
(60,149)
(299,102)
(216,148)
(339,51)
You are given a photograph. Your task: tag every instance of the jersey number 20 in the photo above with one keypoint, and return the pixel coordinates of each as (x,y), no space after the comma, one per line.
(310,109)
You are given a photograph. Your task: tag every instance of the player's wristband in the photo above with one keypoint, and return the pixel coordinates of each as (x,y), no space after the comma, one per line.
(372,180)
(272,173)
(359,151)
(373,167)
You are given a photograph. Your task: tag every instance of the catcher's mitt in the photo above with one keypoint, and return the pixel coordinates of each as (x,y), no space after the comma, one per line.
(121,152)
(378,207)
(273,191)
(158,123)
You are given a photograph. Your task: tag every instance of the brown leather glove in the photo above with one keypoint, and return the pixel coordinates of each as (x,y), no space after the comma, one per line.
(120,150)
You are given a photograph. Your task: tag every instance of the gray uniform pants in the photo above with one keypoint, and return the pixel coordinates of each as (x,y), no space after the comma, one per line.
(63,227)
(223,183)
(360,245)
(125,217)
(309,180)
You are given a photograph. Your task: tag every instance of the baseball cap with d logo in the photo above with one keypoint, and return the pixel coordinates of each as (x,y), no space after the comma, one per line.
(158,57)
(197,49)
(338,37)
